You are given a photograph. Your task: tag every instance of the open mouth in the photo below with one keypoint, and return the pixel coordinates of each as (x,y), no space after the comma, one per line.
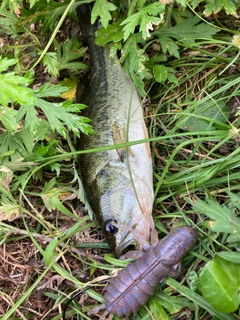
(126,244)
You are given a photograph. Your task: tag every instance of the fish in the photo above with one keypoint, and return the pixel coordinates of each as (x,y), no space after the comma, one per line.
(118,183)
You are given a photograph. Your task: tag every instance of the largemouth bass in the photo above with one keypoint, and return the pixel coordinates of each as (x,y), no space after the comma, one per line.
(118,182)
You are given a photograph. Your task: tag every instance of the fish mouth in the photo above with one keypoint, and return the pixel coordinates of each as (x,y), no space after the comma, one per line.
(125,244)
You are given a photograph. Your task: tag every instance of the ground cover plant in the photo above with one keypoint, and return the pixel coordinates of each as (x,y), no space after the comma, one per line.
(184,59)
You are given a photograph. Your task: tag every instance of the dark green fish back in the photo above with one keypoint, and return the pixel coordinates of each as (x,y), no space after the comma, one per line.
(114,179)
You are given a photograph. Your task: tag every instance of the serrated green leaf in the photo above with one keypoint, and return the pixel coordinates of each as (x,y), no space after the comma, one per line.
(171,303)
(130,24)
(68,51)
(147,23)
(189,30)
(186,32)
(31,116)
(49,90)
(169,46)
(50,14)
(12,89)
(157,310)
(219,282)
(102,8)
(9,22)
(135,59)
(51,198)
(146,18)
(224,218)
(182,2)
(134,64)
(8,118)
(213,7)
(64,114)
(51,62)
(9,211)
(6,63)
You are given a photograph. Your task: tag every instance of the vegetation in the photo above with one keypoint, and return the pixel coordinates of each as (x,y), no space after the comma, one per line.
(183,57)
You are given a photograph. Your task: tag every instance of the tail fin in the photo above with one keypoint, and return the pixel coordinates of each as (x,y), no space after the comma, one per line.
(84,15)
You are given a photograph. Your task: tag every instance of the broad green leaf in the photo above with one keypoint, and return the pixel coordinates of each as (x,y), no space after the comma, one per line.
(172,78)
(235,200)
(219,282)
(113,32)
(49,253)
(234,238)
(230,256)
(224,219)
(198,300)
(102,8)
(208,115)
(160,73)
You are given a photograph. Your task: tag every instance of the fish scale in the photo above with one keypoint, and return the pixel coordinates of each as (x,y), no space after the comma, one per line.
(118,182)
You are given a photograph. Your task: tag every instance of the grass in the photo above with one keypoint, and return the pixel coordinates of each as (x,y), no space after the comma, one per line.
(49,246)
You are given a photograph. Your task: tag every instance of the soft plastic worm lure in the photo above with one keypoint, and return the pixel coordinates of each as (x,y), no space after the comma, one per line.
(133,285)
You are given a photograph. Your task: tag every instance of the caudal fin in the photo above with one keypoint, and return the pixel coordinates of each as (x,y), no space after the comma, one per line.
(84,15)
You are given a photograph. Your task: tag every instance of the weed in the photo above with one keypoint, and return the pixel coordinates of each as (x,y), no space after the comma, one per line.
(183,56)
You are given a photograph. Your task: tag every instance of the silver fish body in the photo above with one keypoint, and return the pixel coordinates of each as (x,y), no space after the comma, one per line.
(118,182)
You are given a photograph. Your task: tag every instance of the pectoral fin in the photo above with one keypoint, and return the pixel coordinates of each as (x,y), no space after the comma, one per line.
(119,136)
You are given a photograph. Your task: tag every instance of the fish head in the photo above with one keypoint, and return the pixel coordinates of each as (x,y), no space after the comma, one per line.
(122,213)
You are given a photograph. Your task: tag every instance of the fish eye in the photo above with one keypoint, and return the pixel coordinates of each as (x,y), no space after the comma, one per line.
(110,228)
